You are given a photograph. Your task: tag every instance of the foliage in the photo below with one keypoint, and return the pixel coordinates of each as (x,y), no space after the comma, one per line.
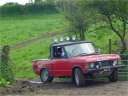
(6,69)
(4,83)
(76,16)
(11,8)
(50,1)
(115,13)
(17,9)
(38,1)
(39,7)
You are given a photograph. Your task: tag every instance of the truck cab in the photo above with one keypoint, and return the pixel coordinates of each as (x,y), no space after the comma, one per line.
(80,60)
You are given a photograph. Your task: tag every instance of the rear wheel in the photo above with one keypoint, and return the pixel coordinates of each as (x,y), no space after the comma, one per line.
(79,78)
(45,76)
(114,76)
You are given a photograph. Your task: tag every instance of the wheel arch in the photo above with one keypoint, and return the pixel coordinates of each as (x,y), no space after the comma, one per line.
(73,69)
(44,68)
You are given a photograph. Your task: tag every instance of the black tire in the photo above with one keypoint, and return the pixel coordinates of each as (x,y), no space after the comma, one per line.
(114,76)
(45,76)
(79,78)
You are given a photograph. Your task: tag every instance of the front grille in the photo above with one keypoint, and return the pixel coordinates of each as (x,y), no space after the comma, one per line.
(105,63)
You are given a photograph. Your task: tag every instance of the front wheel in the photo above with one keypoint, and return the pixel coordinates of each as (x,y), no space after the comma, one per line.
(79,78)
(114,76)
(45,76)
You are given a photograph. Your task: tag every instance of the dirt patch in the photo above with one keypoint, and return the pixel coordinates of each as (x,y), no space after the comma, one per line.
(92,88)
(28,42)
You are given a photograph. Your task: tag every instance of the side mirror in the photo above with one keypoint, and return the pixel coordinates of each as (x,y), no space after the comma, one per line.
(99,50)
(49,57)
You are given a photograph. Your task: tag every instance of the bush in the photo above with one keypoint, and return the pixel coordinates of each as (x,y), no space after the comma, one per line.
(38,7)
(6,70)
(17,9)
(11,9)
(4,83)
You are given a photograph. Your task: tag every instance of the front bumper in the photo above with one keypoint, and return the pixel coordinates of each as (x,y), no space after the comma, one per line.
(102,68)
(103,71)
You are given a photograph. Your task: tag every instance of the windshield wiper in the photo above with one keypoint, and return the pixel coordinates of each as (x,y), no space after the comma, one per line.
(94,53)
(85,54)
(81,54)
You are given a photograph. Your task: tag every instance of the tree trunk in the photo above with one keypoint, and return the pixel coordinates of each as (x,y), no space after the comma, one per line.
(118,34)
(80,33)
(82,38)
(123,46)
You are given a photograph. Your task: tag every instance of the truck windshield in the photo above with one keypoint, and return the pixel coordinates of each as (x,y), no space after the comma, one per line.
(81,49)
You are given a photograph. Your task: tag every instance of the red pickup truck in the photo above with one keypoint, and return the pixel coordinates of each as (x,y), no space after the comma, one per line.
(77,59)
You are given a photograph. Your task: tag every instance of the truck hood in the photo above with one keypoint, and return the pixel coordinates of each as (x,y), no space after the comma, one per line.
(94,58)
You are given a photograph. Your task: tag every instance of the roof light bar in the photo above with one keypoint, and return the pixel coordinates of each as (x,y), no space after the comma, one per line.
(62,39)
(73,38)
(67,38)
(55,40)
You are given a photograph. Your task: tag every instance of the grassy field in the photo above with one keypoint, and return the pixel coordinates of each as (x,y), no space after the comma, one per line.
(17,29)
(21,28)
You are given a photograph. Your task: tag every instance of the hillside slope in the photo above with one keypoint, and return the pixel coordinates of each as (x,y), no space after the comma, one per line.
(17,29)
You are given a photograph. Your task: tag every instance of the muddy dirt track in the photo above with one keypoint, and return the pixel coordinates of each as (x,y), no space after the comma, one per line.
(28,42)
(93,88)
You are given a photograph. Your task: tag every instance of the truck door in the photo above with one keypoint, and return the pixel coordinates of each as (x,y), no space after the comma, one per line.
(58,61)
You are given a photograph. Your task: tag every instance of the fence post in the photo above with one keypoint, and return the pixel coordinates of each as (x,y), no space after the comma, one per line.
(110,46)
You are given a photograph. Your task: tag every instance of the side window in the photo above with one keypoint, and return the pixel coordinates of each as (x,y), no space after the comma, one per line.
(58,52)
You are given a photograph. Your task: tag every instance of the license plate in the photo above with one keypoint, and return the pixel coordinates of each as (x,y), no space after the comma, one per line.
(107,69)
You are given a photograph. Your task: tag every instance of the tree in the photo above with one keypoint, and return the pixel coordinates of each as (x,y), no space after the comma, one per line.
(115,13)
(30,1)
(76,16)
(38,1)
(50,1)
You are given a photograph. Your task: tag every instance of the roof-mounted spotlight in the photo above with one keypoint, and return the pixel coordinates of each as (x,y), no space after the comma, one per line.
(55,40)
(61,39)
(73,38)
(67,38)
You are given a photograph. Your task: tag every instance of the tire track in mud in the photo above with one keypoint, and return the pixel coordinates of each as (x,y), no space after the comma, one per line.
(29,42)
(57,88)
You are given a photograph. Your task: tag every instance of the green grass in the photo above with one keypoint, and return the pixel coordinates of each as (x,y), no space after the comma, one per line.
(17,29)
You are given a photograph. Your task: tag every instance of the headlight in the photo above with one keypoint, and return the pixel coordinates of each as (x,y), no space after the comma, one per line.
(97,66)
(115,62)
(92,65)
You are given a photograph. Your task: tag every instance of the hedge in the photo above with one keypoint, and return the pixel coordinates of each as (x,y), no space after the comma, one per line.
(17,9)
